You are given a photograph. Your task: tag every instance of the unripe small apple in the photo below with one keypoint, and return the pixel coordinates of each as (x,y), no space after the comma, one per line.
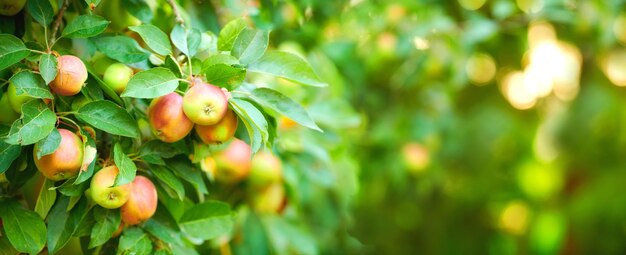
(221,132)
(100,63)
(167,119)
(233,163)
(16,100)
(8,114)
(65,161)
(71,75)
(266,169)
(103,192)
(116,77)
(142,202)
(11,7)
(205,104)
(269,200)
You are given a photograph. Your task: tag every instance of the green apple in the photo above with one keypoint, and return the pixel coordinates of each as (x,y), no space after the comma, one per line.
(265,170)
(205,104)
(269,200)
(16,100)
(11,7)
(8,114)
(100,63)
(116,77)
(104,193)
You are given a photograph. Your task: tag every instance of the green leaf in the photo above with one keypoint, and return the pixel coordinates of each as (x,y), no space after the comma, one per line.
(41,11)
(154,150)
(121,48)
(286,65)
(8,153)
(46,198)
(167,177)
(151,83)
(85,26)
(125,165)
(29,83)
(134,241)
(89,158)
(154,38)
(183,168)
(229,34)
(108,91)
(250,45)
(6,248)
(170,63)
(140,9)
(225,76)
(219,59)
(107,222)
(62,225)
(278,102)
(24,228)
(49,144)
(94,2)
(109,117)
(186,40)
(207,220)
(254,120)
(48,67)
(12,50)
(36,123)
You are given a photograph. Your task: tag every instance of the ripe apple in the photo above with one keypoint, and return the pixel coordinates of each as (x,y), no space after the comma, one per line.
(221,132)
(65,161)
(205,104)
(266,169)
(116,77)
(71,75)
(8,115)
(16,100)
(142,202)
(233,163)
(11,7)
(270,199)
(167,119)
(103,192)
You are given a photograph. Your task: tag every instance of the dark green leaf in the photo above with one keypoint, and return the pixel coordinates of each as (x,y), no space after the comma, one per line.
(183,168)
(278,102)
(229,33)
(24,228)
(154,150)
(186,40)
(8,153)
(12,50)
(107,222)
(207,220)
(41,11)
(49,144)
(121,48)
(108,91)
(6,248)
(46,198)
(140,9)
(62,225)
(109,118)
(36,123)
(29,83)
(151,83)
(85,26)
(134,241)
(170,63)
(225,76)
(167,177)
(125,165)
(250,45)
(48,67)
(154,38)
(288,66)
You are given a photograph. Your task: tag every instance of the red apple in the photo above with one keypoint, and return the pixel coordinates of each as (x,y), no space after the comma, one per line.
(142,202)
(205,104)
(233,163)
(167,119)
(71,75)
(221,132)
(65,161)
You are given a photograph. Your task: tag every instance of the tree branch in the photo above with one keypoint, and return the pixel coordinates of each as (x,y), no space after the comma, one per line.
(179,19)
(57,22)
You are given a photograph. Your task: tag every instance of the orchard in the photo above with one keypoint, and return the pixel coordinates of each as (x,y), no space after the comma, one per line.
(312,127)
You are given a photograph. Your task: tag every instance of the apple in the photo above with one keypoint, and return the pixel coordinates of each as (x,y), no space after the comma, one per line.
(118,14)
(145,129)
(221,132)
(142,201)
(16,100)
(205,104)
(8,114)
(100,63)
(116,77)
(65,161)
(71,75)
(233,163)
(11,7)
(103,192)
(416,157)
(265,170)
(167,119)
(269,200)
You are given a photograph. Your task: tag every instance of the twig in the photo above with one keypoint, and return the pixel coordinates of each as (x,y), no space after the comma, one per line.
(57,22)
(179,19)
